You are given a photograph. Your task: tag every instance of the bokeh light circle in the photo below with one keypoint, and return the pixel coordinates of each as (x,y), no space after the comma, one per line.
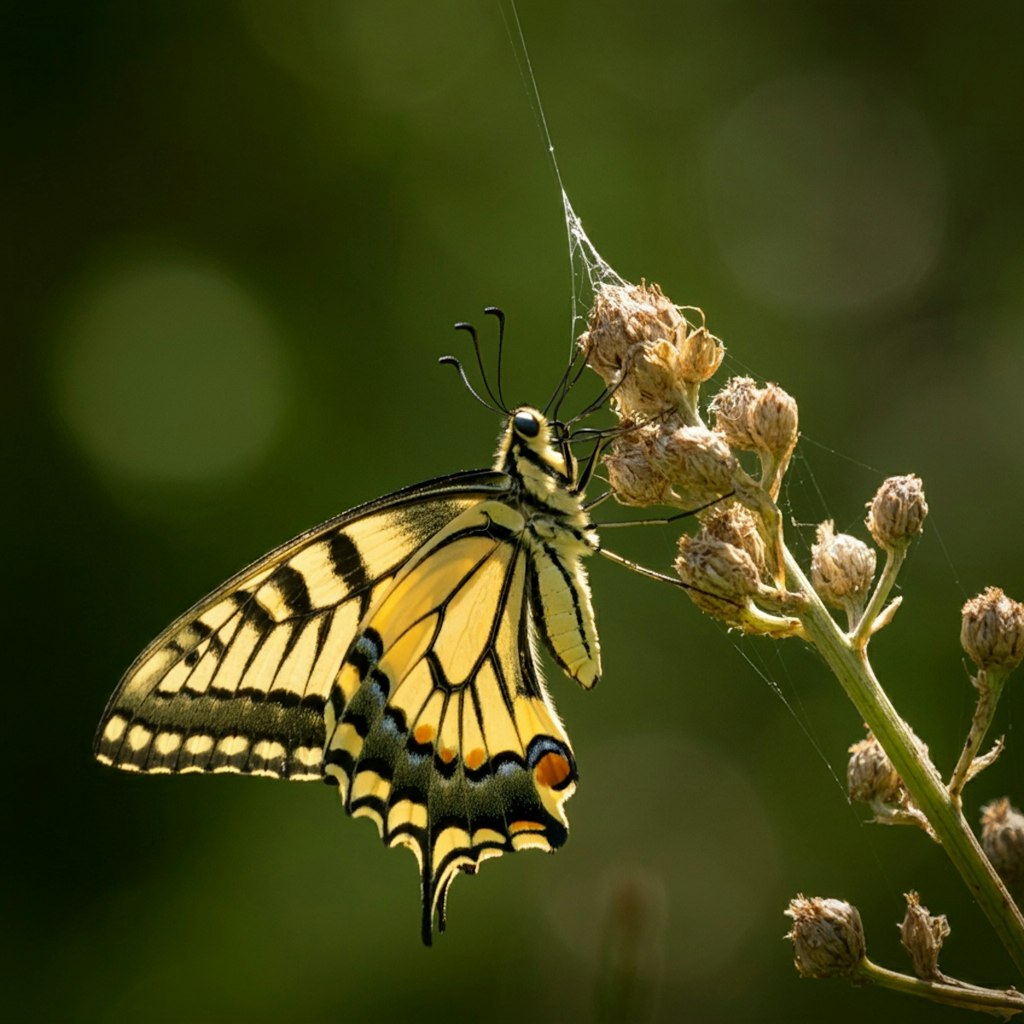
(825,193)
(169,371)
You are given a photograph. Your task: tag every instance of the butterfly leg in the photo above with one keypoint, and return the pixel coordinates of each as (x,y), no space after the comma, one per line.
(664,520)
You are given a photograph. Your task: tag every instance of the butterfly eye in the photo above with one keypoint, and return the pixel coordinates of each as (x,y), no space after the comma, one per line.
(526,424)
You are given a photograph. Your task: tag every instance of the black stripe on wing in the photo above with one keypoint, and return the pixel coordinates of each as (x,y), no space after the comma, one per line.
(239,682)
(454,803)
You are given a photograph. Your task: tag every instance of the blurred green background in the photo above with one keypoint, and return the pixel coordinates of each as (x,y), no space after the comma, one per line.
(238,235)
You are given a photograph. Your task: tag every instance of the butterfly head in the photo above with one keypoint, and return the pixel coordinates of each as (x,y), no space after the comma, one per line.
(531,449)
(528,423)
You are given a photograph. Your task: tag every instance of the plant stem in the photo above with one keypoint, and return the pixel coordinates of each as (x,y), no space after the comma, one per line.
(1001,1002)
(854,672)
(990,687)
(894,559)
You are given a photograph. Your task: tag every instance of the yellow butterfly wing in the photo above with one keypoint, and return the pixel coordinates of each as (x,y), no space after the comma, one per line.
(239,682)
(440,729)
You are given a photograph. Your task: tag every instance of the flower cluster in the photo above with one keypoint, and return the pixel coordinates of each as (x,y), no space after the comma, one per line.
(642,345)
(654,362)
(728,472)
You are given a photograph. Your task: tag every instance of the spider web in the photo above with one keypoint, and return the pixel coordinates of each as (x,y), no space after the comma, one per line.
(590,273)
(589,270)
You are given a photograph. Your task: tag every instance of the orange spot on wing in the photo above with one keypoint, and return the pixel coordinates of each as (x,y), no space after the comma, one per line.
(475,758)
(423,733)
(551,770)
(447,755)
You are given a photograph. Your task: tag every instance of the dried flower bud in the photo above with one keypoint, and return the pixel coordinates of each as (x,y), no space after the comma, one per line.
(697,462)
(842,568)
(635,339)
(1002,838)
(897,511)
(611,333)
(827,937)
(722,577)
(652,384)
(870,775)
(700,356)
(922,936)
(992,630)
(774,421)
(731,408)
(632,474)
(734,524)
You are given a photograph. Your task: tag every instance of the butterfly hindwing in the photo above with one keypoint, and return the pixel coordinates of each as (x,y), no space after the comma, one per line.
(439,728)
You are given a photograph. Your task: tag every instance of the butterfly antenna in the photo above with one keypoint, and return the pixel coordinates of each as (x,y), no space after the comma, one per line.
(500,314)
(471,331)
(452,361)
(557,393)
(569,379)
(601,399)
(600,433)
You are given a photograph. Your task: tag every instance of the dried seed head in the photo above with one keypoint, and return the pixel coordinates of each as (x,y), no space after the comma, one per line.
(638,339)
(827,937)
(774,421)
(897,512)
(922,936)
(731,408)
(722,577)
(611,333)
(755,419)
(992,630)
(1002,838)
(842,567)
(870,775)
(652,384)
(734,524)
(632,474)
(700,355)
(697,462)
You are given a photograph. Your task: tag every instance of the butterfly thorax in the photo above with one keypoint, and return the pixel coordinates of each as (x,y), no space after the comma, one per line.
(544,482)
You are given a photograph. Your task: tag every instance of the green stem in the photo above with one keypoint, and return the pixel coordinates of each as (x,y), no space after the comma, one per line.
(854,672)
(1001,1002)
(990,688)
(894,559)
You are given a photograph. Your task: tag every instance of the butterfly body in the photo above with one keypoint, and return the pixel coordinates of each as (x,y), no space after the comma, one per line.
(391,651)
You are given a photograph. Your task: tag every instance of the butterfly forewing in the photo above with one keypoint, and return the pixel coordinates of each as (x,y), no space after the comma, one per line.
(239,682)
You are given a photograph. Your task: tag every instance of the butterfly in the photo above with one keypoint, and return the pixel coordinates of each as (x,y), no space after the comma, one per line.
(391,651)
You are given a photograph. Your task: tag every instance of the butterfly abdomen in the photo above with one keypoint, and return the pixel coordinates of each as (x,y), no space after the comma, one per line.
(559,534)
(561,594)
